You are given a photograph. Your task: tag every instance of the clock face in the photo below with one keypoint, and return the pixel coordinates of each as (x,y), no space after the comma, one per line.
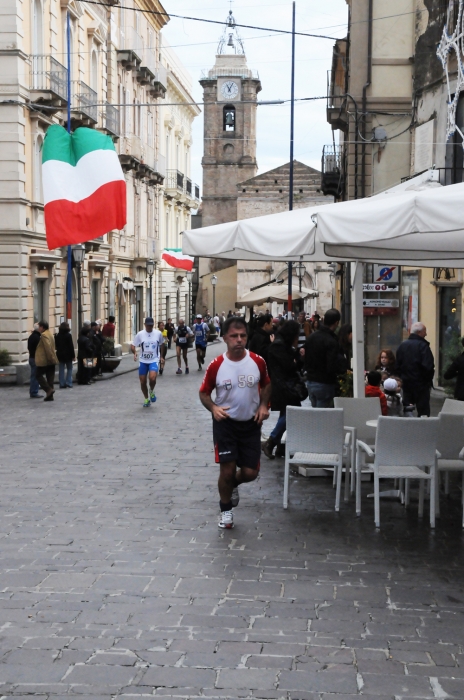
(229,89)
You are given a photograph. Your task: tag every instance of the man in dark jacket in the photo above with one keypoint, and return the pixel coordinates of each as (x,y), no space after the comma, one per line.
(32,343)
(324,361)
(85,350)
(262,337)
(416,367)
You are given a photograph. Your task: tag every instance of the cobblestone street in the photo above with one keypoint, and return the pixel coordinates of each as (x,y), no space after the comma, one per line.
(116,583)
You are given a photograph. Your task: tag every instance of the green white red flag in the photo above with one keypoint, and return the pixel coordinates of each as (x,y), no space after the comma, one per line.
(83,185)
(176,258)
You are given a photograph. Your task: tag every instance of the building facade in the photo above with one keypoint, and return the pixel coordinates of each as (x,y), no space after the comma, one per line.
(120,73)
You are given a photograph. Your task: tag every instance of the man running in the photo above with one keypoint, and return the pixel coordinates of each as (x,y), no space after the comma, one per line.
(200,331)
(243,390)
(149,341)
(182,335)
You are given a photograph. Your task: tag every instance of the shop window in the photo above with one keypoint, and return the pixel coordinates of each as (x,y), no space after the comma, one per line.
(450,325)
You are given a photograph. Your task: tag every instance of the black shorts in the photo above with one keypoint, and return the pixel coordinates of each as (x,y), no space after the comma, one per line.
(237,441)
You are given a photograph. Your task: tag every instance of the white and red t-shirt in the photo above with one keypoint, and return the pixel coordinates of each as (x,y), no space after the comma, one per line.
(237,384)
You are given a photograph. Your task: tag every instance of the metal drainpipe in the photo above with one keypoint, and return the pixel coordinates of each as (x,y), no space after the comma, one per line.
(364,99)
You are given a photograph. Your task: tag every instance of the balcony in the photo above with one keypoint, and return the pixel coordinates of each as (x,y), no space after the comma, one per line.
(83,104)
(333,180)
(160,83)
(48,82)
(174,185)
(112,120)
(188,187)
(130,52)
(336,87)
(197,193)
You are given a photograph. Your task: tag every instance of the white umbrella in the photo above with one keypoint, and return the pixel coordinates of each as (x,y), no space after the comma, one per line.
(274,292)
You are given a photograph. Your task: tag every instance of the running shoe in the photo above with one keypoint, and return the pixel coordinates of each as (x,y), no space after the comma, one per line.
(161,372)
(235,499)
(146,403)
(186,370)
(152,396)
(179,371)
(226,521)
(199,368)
(202,360)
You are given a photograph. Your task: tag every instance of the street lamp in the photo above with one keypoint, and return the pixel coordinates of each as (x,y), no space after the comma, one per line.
(189,280)
(214,281)
(150,272)
(301,271)
(78,252)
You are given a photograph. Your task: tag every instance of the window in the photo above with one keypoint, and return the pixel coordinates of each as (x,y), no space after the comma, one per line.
(95,300)
(168,307)
(37,29)
(168,143)
(38,192)
(128,113)
(122,100)
(454,149)
(229,118)
(41,300)
(150,127)
(177,155)
(94,71)
(167,230)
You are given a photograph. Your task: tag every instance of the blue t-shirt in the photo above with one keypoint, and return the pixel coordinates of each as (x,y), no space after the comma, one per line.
(201,331)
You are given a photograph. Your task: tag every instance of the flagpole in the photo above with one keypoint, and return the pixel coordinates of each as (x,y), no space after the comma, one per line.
(69,260)
(292,125)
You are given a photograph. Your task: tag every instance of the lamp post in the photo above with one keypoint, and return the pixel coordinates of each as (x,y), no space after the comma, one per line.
(301,271)
(189,280)
(150,272)
(78,252)
(214,281)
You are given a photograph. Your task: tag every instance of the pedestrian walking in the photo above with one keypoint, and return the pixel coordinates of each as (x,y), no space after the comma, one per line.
(373,390)
(200,331)
(96,338)
(170,328)
(217,324)
(182,334)
(243,390)
(109,328)
(386,362)
(85,350)
(65,353)
(262,336)
(222,318)
(456,369)
(324,361)
(32,343)
(416,367)
(305,329)
(288,389)
(46,360)
(149,341)
(163,347)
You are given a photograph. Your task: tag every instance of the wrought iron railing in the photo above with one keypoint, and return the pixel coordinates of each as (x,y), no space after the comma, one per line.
(244,73)
(84,100)
(112,119)
(174,180)
(49,74)
(332,180)
(188,186)
(197,192)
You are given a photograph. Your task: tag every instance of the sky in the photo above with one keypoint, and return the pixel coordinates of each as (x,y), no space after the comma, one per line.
(195,43)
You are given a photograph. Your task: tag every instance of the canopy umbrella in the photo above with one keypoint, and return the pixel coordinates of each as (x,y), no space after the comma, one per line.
(273,292)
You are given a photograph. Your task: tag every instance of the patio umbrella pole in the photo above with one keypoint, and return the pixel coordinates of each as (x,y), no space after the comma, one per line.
(357,319)
(292,125)
(68,126)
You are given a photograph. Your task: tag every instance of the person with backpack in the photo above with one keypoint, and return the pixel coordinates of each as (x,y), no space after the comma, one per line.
(200,331)
(182,336)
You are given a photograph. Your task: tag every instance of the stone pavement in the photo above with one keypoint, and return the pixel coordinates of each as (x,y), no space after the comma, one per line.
(116,583)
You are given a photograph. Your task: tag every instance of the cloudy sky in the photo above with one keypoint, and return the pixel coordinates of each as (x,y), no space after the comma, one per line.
(195,43)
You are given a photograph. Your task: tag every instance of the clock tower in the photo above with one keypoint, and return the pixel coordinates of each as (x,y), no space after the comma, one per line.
(230,92)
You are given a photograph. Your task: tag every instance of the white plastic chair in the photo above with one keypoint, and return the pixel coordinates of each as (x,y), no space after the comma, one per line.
(404,449)
(356,413)
(315,436)
(453,406)
(451,448)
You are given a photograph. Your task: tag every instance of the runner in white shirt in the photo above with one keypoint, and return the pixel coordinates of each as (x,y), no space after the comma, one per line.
(149,341)
(243,390)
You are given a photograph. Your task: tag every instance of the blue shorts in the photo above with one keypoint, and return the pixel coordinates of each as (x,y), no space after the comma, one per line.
(146,367)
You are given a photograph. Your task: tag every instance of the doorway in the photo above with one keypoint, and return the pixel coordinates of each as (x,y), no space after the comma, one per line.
(450,326)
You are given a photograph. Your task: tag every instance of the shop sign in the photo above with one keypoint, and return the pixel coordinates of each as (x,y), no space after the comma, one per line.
(378,287)
(381,303)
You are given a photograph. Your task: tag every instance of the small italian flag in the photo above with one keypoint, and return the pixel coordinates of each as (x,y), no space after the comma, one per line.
(175,258)
(83,186)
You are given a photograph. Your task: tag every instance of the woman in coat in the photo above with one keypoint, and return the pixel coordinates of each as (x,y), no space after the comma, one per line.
(456,369)
(64,346)
(283,365)
(85,350)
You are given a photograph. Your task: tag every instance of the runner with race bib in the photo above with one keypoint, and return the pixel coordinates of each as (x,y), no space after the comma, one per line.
(182,335)
(200,331)
(149,342)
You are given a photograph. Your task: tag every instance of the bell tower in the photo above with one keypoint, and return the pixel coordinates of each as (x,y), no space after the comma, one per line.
(230,92)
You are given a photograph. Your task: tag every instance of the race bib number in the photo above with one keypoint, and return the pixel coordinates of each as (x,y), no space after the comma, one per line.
(149,352)
(182,340)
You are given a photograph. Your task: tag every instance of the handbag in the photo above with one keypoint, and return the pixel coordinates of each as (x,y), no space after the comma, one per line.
(296,389)
(89,362)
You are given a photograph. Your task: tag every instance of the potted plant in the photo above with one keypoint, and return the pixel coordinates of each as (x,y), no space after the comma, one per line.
(7,371)
(212,335)
(110,362)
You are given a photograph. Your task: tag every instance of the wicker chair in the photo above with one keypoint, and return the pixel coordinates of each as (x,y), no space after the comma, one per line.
(404,449)
(451,448)
(356,413)
(315,436)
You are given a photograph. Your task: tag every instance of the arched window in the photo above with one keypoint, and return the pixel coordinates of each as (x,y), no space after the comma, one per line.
(37,29)
(38,194)
(94,71)
(229,118)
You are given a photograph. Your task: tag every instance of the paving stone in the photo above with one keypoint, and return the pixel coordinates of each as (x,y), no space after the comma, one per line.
(246,678)
(323,681)
(179,678)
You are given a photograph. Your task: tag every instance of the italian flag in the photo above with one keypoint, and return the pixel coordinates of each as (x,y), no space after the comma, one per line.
(83,186)
(175,258)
